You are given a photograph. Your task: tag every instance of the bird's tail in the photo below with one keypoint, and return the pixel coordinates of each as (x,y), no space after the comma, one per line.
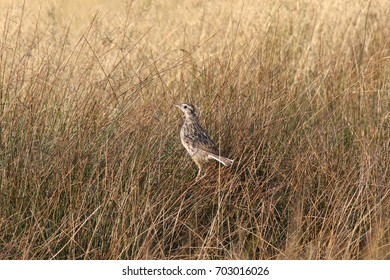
(225,161)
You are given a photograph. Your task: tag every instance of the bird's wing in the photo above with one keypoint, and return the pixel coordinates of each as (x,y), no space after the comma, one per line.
(203,141)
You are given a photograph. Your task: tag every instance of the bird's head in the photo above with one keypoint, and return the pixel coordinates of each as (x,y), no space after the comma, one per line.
(187,109)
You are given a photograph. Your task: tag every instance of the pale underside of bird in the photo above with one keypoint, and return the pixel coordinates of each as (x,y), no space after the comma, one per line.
(196,140)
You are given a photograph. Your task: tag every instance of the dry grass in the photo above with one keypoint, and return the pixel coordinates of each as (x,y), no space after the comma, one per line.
(296,92)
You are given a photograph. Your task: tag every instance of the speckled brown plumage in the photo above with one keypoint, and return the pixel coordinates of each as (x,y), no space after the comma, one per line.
(196,140)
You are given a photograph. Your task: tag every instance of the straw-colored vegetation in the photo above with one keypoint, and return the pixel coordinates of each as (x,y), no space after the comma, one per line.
(297,92)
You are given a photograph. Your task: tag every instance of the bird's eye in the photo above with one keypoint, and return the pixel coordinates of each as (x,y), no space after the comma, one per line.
(185,106)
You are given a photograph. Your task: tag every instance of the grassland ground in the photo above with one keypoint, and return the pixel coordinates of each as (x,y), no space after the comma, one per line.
(296,92)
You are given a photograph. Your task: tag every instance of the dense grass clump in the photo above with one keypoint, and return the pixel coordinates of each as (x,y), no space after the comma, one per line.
(297,92)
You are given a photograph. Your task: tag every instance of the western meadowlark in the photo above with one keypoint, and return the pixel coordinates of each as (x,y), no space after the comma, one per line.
(196,140)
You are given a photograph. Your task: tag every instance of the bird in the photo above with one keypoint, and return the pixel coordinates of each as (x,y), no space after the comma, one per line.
(196,140)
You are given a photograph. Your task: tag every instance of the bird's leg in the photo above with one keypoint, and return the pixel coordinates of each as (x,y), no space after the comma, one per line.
(199,172)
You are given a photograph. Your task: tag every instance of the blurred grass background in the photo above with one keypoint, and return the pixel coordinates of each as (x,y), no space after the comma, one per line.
(297,92)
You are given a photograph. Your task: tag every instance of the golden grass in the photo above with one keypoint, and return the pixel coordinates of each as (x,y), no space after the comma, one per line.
(297,92)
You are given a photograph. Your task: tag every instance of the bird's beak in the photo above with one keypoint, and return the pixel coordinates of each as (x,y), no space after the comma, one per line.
(178,106)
